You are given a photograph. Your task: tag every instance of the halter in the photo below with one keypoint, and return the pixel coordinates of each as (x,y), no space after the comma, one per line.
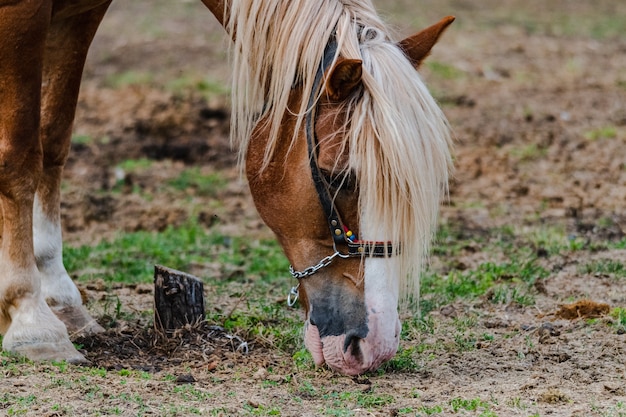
(339,232)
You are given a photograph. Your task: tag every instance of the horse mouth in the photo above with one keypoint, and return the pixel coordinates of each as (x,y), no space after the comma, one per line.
(348,354)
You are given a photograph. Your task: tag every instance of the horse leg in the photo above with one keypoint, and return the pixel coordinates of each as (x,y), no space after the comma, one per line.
(66,49)
(29,326)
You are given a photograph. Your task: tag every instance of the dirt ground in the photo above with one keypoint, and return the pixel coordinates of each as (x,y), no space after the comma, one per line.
(539,116)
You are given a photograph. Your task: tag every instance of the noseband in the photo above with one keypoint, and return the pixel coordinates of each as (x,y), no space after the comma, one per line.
(339,232)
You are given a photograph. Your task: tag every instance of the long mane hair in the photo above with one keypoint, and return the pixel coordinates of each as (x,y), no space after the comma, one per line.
(398,137)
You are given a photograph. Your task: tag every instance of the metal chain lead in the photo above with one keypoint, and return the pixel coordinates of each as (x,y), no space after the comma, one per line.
(307,272)
(294,293)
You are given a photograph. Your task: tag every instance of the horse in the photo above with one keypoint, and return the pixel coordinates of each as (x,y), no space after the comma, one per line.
(346,153)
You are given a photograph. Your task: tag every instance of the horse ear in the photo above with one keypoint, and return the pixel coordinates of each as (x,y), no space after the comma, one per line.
(219,10)
(343,78)
(418,46)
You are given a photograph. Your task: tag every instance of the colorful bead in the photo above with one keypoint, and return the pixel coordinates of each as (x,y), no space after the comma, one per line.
(348,233)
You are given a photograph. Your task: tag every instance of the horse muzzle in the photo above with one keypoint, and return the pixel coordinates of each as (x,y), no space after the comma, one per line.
(355,352)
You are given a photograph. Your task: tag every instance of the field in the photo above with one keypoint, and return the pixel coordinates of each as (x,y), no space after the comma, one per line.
(523,308)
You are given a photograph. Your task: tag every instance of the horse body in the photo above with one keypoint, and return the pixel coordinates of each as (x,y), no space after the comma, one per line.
(379,143)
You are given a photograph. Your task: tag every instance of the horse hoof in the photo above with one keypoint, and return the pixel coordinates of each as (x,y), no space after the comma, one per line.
(78,321)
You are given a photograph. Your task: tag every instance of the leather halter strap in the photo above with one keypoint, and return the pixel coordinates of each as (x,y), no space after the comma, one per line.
(338,230)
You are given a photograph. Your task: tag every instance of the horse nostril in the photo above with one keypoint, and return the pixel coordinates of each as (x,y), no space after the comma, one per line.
(352,342)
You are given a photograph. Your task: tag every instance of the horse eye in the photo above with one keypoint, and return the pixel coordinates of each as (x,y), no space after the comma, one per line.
(342,181)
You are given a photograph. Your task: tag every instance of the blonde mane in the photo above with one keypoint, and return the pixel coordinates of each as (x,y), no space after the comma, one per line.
(398,137)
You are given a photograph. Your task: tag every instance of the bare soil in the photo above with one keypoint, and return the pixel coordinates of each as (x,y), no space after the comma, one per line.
(540,125)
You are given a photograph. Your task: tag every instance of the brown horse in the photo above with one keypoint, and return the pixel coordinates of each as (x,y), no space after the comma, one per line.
(346,153)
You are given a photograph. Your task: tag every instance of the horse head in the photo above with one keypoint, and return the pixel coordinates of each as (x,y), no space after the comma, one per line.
(349,179)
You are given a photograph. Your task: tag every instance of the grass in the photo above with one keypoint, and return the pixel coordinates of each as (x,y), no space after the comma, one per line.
(131,257)
(99,392)
(128,78)
(87,140)
(457,406)
(552,239)
(619,316)
(508,278)
(507,281)
(528,152)
(135,165)
(81,139)
(406,360)
(342,403)
(608,267)
(604,132)
(269,324)
(199,84)
(191,182)
(443,70)
(17,404)
(208,88)
(191,179)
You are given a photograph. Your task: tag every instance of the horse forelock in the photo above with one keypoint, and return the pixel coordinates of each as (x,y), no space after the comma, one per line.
(399,140)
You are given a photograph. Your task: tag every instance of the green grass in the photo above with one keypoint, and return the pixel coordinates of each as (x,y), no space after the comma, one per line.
(443,70)
(528,152)
(131,257)
(135,165)
(128,78)
(254,270)
(268,322)
(551,239)
(192,179)
(521,273)
(619,315)
(604,132)
(456,406)
(406,360)
(206,87)
(105,392)
(303,360)
(197,83)
(81,139)
(452,239)
(89,140)
(191,182)
(342,403)
(608,267)
(16,404)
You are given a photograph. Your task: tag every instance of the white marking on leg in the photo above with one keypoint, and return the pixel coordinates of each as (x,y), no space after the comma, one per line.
(56,285)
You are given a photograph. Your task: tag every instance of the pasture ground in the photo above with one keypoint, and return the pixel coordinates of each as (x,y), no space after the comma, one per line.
(524,306)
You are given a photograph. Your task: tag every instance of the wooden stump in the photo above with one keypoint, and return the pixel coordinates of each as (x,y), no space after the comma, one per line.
(178,299)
